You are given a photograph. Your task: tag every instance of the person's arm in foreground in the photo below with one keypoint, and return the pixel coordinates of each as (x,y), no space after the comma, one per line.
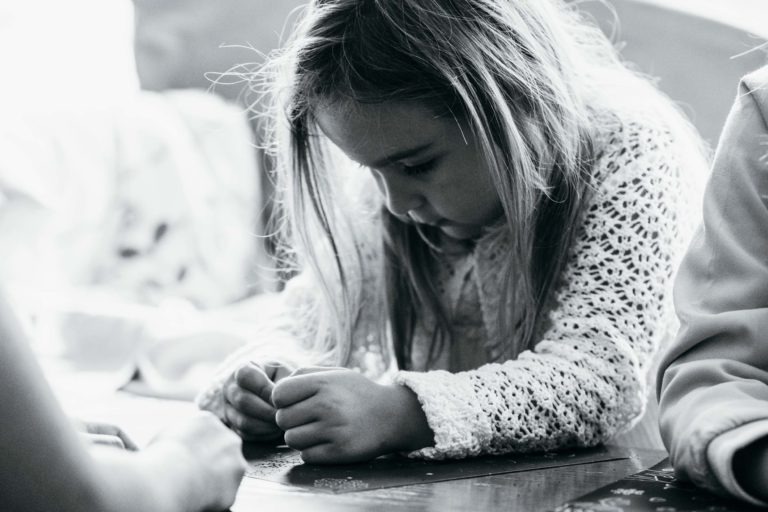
(44,466)
(714,381)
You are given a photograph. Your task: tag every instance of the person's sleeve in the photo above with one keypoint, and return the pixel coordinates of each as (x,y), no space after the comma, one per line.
(714,381)
(584,381)
(723,448)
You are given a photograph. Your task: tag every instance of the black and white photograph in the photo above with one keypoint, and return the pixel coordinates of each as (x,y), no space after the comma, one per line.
(384,255)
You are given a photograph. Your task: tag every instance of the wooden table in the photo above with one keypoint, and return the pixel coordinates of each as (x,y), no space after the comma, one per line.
(529,491)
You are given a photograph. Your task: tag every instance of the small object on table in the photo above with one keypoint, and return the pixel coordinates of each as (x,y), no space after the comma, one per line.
(284,465)
(653,490)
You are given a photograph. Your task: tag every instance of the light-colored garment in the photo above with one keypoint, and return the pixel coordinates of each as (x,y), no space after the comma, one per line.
(585,380)
(714,385)
(120,221)
(153,197)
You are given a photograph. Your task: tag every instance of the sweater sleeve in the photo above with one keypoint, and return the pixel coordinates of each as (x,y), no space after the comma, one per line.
(584,381)
(715,377)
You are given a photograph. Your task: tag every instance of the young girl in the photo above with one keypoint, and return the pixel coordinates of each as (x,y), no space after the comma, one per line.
(516,260)
(714,391)
(44,466)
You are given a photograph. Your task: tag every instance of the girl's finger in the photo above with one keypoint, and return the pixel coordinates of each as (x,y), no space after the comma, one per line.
(318,454)
(248,403)
(247,425)
(306,370)
(275,370)
(252,378)
(260,437)
(293,389)
(306,436)
(298,414)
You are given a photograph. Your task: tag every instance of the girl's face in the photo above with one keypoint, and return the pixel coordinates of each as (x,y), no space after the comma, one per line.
(429,168)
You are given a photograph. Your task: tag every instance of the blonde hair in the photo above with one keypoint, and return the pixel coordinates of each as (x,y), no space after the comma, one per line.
(527,76)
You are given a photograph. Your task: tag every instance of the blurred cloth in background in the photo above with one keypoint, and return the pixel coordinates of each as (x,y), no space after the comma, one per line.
(151,198)
(114,218)
(130,208)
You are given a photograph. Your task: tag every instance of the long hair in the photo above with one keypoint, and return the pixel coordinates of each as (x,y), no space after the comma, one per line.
(527,77)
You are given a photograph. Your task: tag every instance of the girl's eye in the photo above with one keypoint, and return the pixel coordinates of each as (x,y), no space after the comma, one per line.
(414,170)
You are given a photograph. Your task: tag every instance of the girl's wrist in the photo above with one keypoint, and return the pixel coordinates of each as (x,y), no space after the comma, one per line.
(410,430)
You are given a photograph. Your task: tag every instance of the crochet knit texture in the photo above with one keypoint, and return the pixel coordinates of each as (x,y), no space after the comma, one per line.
(585,379)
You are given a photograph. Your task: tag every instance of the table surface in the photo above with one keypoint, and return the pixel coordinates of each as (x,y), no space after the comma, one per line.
(529,491)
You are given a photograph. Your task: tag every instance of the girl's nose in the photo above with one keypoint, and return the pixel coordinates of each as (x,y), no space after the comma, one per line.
(401,196)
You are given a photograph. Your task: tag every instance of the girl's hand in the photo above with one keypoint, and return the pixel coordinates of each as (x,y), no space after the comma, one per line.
(208,462)
(248,408)
(339,416)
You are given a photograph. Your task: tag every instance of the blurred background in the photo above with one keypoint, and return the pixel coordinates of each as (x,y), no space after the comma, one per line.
(133,193)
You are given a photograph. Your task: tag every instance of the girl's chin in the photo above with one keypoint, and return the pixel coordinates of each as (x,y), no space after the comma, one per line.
(460,231)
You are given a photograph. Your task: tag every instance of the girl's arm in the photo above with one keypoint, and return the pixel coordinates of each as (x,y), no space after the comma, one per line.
(584,381)
(44,466)
(714,385)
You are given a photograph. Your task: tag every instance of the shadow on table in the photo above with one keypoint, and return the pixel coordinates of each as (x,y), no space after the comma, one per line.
(284,465)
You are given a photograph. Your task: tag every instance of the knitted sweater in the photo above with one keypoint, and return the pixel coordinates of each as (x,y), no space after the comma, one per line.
(584,381)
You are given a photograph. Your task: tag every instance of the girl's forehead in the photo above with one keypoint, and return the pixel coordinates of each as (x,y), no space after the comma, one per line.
(367,119)
(381,116)
(371,131)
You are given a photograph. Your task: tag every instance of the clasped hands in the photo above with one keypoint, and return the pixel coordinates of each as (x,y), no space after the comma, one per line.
(330,415)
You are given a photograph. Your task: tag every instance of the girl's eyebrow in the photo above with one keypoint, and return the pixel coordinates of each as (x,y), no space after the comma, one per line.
(405,153)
